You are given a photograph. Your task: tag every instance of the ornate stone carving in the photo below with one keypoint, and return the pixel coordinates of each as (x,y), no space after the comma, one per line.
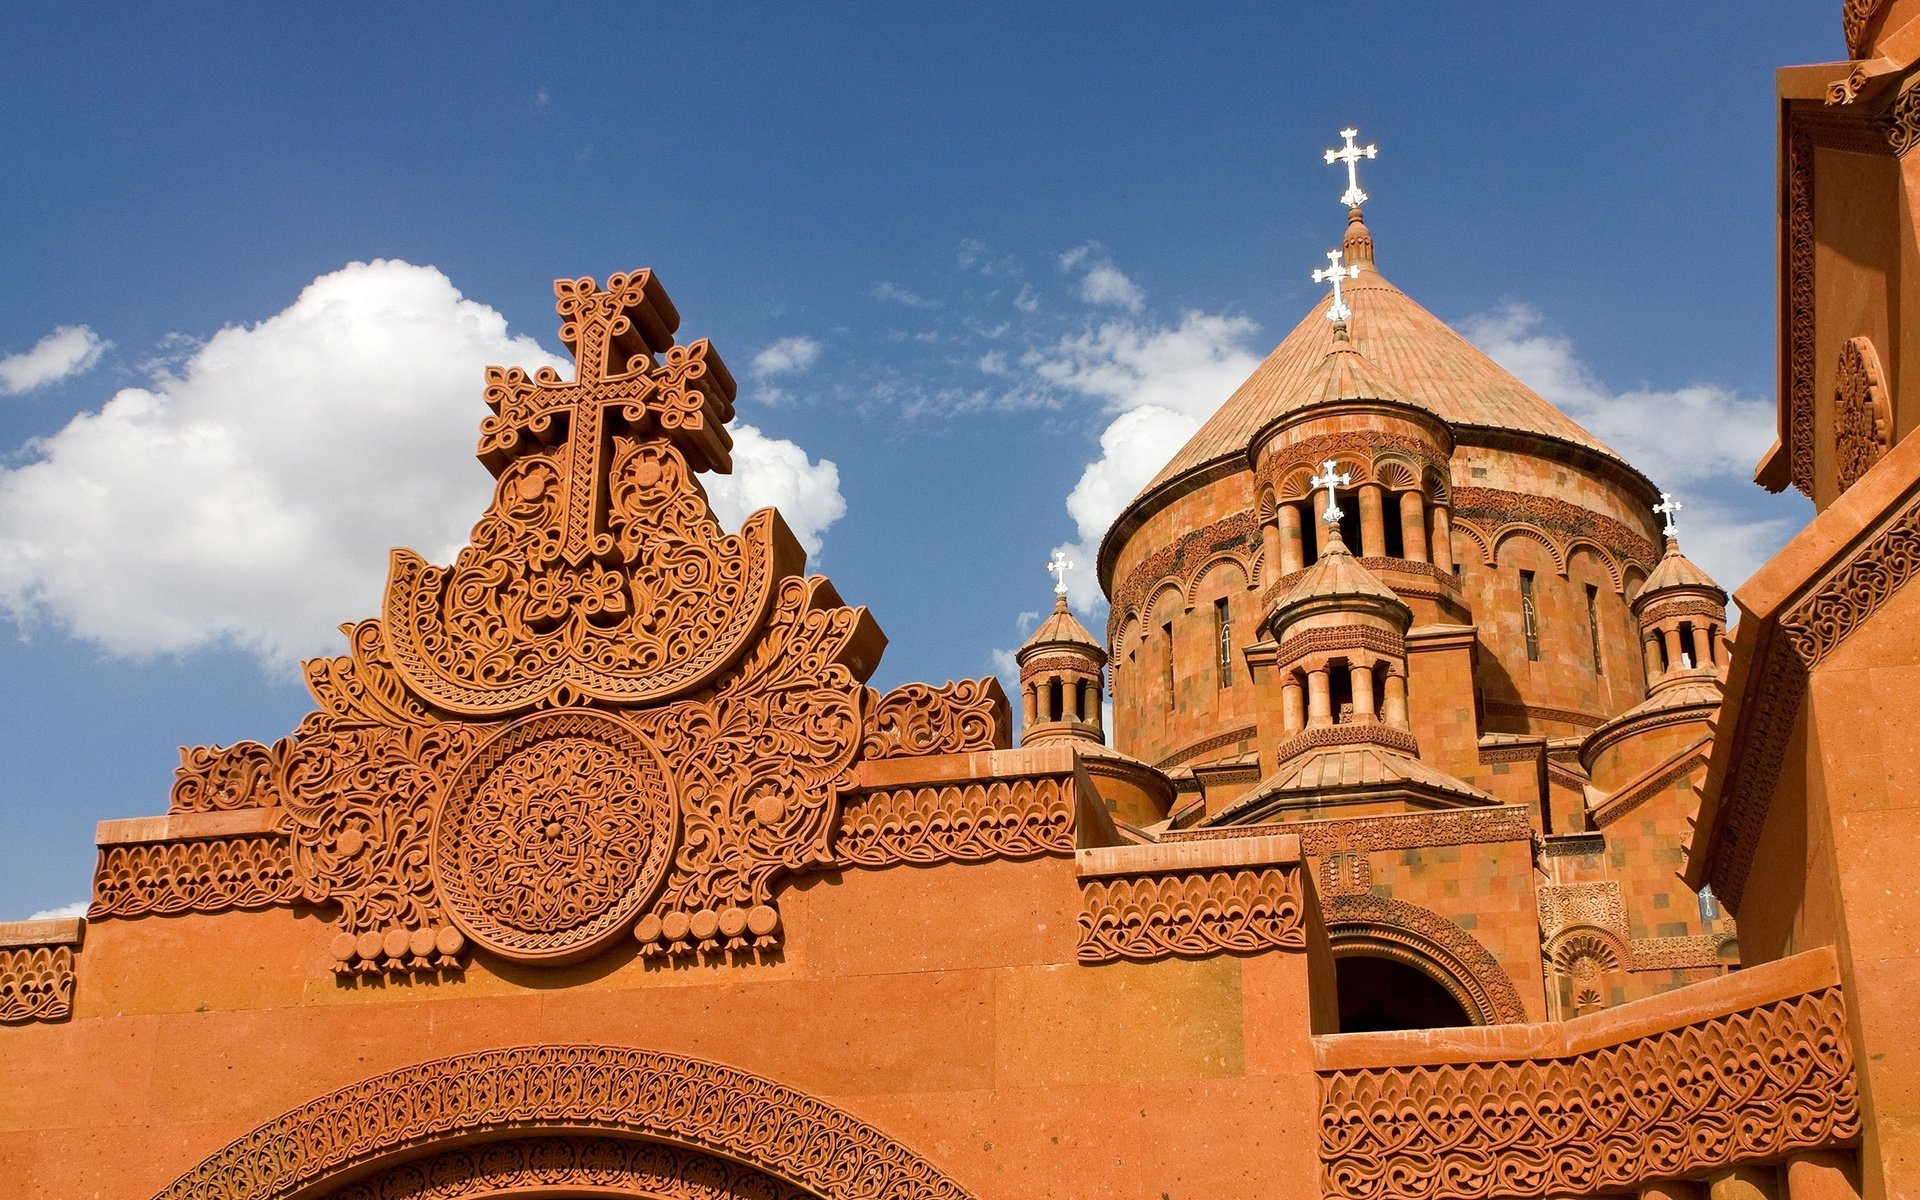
(961,822)
(1797,311)
(1396,831)
(918,718)
(687,1103)
(1491,508)
(1901,124)
(1673,1104)
(564,1164)
(1854,16)
(211,779)
(1563,905)
(1350,734)
(211,875)
(1429,942)
(1356,451)
(1232,737)
(1681,953)
(1862,412)
(1854,592)
(36,983)
(1238,533)
(1346,874)
(1536,712)
(1346,637)
(1240,910)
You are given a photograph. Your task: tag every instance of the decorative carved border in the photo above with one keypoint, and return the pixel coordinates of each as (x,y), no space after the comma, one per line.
(1344,637)
(1239,910)
(1194,751)
(1429,941)
(36,983)
(1239,532)
(1854,16)
(1797,313)
(1358,450)
(686,1102)
(1535,712)
(546,1165)
(1673,1104)
(1495,507)
(248,871)
(1681,953)
(1353,733)
(956,822)
(1397,831)
(918,718)
(1564,905)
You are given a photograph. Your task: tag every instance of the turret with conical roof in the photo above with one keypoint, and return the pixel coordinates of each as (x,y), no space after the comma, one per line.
(1060,666)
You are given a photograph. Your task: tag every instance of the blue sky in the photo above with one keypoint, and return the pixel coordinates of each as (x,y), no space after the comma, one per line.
(945,251)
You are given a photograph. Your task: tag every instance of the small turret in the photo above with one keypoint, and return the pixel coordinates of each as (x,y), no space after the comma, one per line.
(1060,673)
(1682,614)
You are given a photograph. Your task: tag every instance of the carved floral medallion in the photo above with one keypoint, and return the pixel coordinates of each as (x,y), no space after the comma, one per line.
(1862,412)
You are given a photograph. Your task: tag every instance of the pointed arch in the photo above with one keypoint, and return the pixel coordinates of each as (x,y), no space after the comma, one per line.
(550,1091)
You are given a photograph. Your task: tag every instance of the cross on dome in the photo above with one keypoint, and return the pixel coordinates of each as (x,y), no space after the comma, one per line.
(1351,155)
(1669,508)
(1338,310)
(1058,566)
(1329,480)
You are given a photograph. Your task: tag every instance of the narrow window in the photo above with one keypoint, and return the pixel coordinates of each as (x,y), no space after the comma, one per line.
(1593,627)
(1166,631)
(1056,710)
(1223,641)
(1529,619)
(1709,906)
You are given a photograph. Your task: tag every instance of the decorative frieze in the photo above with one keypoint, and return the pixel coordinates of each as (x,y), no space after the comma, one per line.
(974,821)
(1158,901)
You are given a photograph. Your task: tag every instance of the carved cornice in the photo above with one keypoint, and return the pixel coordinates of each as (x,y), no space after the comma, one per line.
(1427,941)
(1491,508)
(1673,1104)
(205,876)
(664,1098)
(1238,533)
(1221,741)
(560,1164)
(1353,733)
(974,821)
(1537,712)
(1227,907)
(1396,831)
(1342,637)
(36,983)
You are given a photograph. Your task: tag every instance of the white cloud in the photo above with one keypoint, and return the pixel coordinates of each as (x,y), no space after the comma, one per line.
(1101,282)
(775,472)
(67,351)
(77,909)
(1027,300)
(1640,424)
(786,355)
(975,255)
(893,293)
(250,498)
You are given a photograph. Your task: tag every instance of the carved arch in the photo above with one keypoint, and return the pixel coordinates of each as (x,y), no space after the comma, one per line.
(1517,529)
(1395,474)
(1586,950)
(1475,535)
(1127,633)
(1293,484)
(1631,580)
(1224,558)
(533,1090)
(571,1165)
(1426,941)
(1607,562)
(1151,615)
(1266,508)
(1438,489)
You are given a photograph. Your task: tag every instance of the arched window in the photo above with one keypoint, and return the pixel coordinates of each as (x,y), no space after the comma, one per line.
(1378,993)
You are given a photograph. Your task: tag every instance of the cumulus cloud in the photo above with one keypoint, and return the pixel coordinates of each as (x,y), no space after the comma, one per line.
(69,350)
(77,909)
(787,355)
(1027,300)
(1100,281)
(775,472)
(1639,423)
(249,498)
(893,293)
(1159,382)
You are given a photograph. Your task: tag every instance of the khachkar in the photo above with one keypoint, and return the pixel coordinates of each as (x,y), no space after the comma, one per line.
(606,716)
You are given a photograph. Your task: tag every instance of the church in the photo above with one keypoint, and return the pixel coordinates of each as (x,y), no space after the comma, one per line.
(1455,836)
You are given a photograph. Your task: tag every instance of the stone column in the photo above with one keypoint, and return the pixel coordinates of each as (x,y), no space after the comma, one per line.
(1742,1183)
(1271,568)
(1319,698)
(1823,1175)
(1396,714)
(1442,538)
(1652,646)
(1293,715)
(1291,557)
(1070,696)
(1413,525)
(1032,702)
(1674,654)
(1373,524)
(1702,647)
(1049,711)
(1322,534)
(1677,1189)
(1362,676)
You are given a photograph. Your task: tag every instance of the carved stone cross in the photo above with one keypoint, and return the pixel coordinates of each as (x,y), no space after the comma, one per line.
(619,387)
(1058,566)
(1669,508)
(1329,480)
(1351,155)
(1337,271)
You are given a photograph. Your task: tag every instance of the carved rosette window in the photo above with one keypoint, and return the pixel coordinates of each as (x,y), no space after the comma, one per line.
(1862,412)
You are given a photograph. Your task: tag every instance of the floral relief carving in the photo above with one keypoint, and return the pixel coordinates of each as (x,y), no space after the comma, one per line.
(691,1105)
(918,718)
(1239,533)
(963,822)
(1425,939)
(1673,1104)
(1235,910)
(1854,16)
(1854,592)
(250,871)
(1563,905)
(1491,508)
(548,1164)
(1797,312)
(1862,412)
(1682,953)
(1397,831)
(36,983)
(1357,451)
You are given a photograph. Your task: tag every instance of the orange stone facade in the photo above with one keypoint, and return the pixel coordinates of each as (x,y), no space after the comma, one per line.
(1408,868)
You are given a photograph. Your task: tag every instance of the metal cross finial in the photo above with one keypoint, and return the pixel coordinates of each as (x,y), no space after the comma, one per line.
(1058,566)
(1336,272)
(1668,508)
(1351,155)
(1329,480)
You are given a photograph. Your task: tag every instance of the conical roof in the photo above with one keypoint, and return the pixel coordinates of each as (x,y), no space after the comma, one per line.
(1059,628)
(1676,570)
(1337,575)
(1402,342)
(1346,374)
(1342,771)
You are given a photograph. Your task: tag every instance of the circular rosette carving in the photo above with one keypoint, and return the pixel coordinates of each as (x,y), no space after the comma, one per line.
(554,835)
